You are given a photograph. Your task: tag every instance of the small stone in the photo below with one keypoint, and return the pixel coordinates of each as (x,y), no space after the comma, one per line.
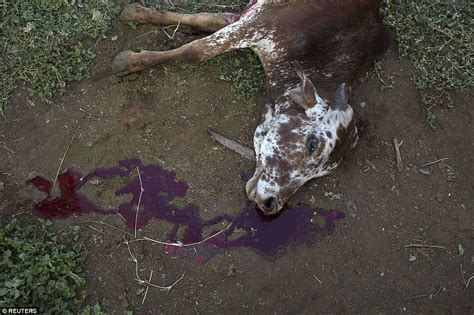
(231,270)
(425,171)
(89,144)
(2,186)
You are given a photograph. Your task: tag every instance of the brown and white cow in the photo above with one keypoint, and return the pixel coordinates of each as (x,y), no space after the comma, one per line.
(302,44)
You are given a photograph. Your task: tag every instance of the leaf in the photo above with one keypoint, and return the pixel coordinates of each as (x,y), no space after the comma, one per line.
(97,15)
(97,309)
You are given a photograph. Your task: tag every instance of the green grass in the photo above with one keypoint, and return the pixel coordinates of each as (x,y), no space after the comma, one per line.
(43,43)
(242,70)
(245,74)
(437,37)
(40,268)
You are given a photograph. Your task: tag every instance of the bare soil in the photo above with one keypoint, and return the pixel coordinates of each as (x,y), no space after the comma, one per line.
(161,116)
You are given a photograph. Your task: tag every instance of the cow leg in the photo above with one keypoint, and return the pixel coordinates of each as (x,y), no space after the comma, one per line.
(208,22)
(231,37)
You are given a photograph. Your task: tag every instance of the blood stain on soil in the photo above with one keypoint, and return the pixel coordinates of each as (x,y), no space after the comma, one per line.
(154,190)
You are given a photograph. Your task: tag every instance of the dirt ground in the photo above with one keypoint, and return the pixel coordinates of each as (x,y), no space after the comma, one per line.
(162,116)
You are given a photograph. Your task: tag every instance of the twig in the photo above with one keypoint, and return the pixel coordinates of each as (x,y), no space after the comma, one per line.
(62,161)
(424,246)
(233,145)
(148,283)
(94,114)
(168,288)
(430,296)
(370,164)
(148,287)
(435,162)
(7,148)
(179,244)
(174,32)
(320,282)
(377,73)
(139,200)
(176,29)
(466,283)
(397,146)
(98,222)
(95,229)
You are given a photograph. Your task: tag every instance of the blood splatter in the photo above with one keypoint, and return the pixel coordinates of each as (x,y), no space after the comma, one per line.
(266,235)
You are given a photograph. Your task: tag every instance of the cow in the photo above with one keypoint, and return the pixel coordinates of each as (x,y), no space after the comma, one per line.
(312,51)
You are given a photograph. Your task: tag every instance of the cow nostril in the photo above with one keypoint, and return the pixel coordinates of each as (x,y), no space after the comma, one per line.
(270,204)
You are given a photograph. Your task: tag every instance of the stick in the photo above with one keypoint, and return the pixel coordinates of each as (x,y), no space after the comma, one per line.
(139,200)
(98,222)
(435,162)
(179,244)
(174,32)
(8,149)
(148,287)
(320,282)
(233,145)
(140,281)
(168,288)
(397,146)
(466,283)
(62,161)
(424,246)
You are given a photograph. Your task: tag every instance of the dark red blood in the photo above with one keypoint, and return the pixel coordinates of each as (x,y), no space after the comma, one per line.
(246,9)
(266,235)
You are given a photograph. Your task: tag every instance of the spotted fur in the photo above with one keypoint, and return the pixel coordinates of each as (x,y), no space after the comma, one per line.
(303,45)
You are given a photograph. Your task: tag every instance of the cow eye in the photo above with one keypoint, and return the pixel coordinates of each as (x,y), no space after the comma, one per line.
(312,144)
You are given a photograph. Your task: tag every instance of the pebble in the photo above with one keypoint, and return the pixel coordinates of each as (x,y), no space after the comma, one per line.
(2,186)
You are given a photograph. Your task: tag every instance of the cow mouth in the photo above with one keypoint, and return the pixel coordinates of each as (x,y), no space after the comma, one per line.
(270,205)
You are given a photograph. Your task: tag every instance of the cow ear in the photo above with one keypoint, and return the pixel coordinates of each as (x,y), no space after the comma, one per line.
(304,96)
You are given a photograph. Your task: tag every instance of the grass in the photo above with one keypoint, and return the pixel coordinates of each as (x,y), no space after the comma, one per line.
(42,43)
(437,37)
(40,268)
(242,70)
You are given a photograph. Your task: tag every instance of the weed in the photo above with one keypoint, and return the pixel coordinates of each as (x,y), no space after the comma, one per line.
(437,37)
(243,71)
(245,74)
(332,195)
(37,269)
(41,43)
(96,310)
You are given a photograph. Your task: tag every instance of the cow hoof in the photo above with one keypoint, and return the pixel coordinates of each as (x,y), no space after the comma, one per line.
(124,64)
(133,12)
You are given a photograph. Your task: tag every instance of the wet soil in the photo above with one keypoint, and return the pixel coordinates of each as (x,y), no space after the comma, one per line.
(161,116)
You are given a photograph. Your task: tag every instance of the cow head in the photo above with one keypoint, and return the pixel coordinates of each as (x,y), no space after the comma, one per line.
(300,138)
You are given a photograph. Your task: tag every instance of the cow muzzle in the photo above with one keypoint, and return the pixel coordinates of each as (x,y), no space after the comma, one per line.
(268,202)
